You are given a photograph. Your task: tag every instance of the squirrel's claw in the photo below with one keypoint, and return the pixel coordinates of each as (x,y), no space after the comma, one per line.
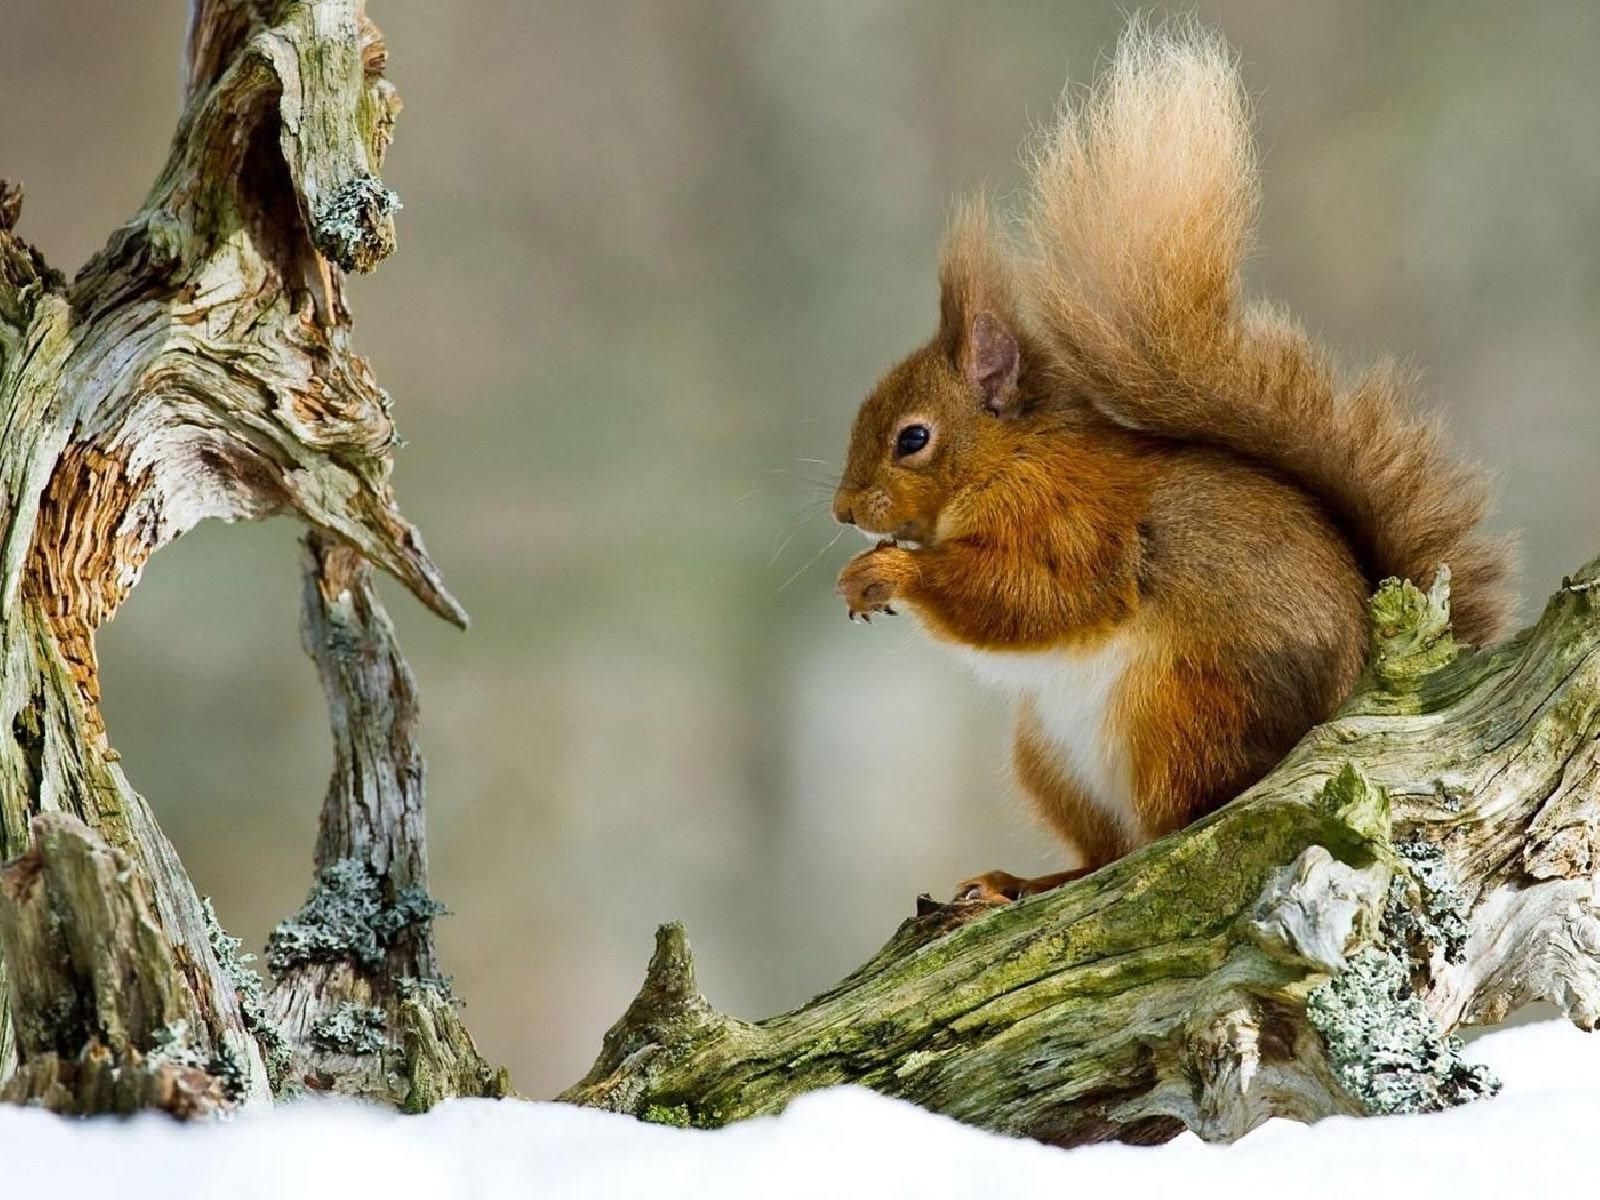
(868,582)
(1002,887)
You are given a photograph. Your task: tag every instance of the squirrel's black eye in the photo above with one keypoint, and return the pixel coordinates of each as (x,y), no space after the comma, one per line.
(911,439)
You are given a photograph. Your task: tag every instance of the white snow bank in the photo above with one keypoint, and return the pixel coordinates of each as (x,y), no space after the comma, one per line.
(1537,1138)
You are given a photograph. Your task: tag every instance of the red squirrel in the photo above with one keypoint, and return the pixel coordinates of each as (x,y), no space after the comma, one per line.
(1147,509)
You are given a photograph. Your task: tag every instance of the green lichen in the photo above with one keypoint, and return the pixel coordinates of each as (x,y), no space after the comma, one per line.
(916,1061)
(252,995)
(345,917)
(1426,910)
(415,986)
(229,1068)
(351,226)
(173,1047)
(676,1115)
(163,235)
(1411,637)
(1357,803)
(351,1029)
(1385,1050)
(437,1057)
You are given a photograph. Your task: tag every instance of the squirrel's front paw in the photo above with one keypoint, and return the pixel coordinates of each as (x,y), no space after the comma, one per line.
(872,580)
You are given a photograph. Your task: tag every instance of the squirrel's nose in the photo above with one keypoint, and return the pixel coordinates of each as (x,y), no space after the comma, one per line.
(842,513)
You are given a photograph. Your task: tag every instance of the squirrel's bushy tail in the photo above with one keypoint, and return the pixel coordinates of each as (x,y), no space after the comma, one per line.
(1144,201)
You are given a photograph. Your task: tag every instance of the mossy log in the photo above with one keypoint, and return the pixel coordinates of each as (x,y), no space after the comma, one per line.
(200,366)
(1426,860)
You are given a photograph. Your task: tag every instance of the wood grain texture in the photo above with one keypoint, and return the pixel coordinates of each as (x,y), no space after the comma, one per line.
(1425,860)
(358,999)
(200,365)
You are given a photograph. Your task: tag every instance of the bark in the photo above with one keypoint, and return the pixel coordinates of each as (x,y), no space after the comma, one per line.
(1424,861)
(200,366)
(359,1003)
(89,954)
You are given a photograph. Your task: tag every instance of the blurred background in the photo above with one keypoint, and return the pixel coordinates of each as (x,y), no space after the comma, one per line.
(652,255)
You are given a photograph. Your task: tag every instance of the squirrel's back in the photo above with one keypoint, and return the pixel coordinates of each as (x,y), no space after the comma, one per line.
(1143,206)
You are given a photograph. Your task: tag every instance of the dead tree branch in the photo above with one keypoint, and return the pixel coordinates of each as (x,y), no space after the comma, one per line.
(359,1001)
(1426,860)
(200,366)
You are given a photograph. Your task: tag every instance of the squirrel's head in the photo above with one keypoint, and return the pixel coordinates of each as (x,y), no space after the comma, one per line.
(931,425)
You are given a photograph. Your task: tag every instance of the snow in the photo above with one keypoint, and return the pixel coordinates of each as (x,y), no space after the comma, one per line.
(1534,1139)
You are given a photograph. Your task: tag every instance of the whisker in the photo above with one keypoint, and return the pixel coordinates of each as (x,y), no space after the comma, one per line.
(807,514)
(794,531)
(829,480)
(810,509)
(815,558)
(816,507)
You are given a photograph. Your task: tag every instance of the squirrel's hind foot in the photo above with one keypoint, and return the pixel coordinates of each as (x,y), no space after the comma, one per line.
(1002,887)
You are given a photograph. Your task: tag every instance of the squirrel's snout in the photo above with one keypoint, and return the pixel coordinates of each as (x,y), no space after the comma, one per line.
(842,512)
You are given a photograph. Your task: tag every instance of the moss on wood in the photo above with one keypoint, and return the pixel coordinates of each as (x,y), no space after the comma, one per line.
(209,341)
(1305,951)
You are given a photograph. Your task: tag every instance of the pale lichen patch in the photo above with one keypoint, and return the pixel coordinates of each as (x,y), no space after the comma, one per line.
(438,987)
(174,1047)
(247,986)
(1384,1048)
(351,1029)
(347,917)
(1427,910)
(353,226)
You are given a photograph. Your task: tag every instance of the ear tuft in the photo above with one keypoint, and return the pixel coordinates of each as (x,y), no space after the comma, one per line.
(977,308)
(992,362)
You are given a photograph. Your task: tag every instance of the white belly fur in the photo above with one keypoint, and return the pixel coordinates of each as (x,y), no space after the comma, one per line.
(1072,693)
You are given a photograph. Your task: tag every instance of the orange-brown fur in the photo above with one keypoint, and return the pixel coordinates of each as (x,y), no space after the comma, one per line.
(1121,447)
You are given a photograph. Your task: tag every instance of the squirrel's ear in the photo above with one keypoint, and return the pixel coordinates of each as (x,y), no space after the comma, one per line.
(975,290)
(992,362)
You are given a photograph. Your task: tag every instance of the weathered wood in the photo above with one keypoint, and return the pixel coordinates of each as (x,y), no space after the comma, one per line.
(198,366)
(1425,860)
(359,1002)
(103,1019)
